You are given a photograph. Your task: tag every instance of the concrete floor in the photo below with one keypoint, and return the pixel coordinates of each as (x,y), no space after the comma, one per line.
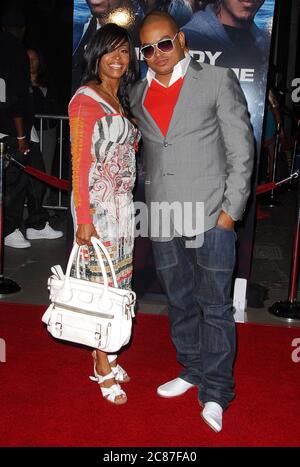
(30,268)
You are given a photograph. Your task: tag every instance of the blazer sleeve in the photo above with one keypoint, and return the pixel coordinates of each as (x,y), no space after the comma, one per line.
(83,113)
(236,130)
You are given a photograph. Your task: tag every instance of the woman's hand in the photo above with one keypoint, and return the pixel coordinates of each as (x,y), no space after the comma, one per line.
(84,234)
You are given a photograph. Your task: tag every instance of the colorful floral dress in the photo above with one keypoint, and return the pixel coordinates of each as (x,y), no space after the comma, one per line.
(103,146)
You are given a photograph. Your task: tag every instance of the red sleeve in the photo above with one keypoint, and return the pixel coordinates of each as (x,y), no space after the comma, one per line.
(83,113)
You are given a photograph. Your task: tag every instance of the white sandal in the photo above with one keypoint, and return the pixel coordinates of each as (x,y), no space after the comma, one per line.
(113,391)
(120,374)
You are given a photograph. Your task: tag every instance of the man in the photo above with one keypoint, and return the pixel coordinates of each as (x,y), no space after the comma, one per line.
(100,10)
(228,26)
(16,130)
(198,147)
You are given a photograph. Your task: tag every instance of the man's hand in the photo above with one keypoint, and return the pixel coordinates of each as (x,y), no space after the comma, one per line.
(84,234)
(23,145)
(225,221)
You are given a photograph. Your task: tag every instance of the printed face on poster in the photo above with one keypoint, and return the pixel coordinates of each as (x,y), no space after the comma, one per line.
(227,33)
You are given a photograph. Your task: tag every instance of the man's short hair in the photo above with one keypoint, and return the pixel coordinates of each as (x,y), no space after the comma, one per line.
(156,15)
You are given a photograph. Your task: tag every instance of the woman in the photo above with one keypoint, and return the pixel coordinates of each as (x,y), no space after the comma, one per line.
(103,142)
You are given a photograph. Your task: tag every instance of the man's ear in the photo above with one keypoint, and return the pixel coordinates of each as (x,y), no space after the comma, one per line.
(181,38)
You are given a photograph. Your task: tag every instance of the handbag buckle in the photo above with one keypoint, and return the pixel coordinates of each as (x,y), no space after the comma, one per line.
(129,307)
(58,328)
(98,339)
(128,310)
(98,336)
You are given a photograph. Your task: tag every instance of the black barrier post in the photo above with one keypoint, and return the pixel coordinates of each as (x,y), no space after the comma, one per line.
(290,309)
(7,286)
(274,201)
(293,163)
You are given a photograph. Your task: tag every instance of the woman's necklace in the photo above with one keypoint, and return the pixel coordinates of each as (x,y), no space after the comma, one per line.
(115,98)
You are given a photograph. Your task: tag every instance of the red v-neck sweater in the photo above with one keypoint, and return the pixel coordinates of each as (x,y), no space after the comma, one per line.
(160,102)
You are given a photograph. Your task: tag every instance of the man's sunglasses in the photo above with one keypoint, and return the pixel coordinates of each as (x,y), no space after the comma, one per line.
(164,45)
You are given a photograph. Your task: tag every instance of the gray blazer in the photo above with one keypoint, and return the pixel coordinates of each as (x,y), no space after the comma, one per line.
(207,154)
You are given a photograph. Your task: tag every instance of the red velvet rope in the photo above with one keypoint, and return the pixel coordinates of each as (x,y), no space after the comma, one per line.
(265,187)
(64,184)
(49,179)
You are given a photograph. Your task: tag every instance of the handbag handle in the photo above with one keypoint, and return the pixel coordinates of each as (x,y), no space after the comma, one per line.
(65,292)
(98,245)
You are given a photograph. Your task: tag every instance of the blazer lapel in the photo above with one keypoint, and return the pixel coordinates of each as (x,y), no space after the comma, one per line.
(147,114)
(186,93)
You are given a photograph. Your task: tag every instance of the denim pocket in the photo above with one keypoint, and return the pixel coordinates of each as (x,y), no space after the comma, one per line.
(218,227)
(218,250)
(215,338)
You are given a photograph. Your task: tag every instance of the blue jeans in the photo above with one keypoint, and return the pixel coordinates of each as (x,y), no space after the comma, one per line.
(197,282)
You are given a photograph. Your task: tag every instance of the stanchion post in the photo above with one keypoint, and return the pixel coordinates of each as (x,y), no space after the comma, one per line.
(293,163)
(290,309)
(273,200)
(3,152)
(7,286)
(60,157)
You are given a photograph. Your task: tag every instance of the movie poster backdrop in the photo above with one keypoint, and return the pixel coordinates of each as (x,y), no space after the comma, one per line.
(245,49)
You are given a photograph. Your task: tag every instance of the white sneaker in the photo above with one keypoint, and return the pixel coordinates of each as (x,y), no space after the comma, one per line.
(174,388)
(47,232)
(212,415)
(16,240)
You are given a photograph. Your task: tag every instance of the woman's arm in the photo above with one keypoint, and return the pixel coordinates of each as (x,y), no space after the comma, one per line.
(83,112)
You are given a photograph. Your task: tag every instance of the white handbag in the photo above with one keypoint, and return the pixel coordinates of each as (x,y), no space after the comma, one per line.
(89,313)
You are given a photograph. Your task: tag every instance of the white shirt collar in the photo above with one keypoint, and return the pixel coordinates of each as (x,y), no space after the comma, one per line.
(179,71)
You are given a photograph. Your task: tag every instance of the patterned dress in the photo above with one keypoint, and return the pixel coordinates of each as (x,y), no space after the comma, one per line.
(103,146)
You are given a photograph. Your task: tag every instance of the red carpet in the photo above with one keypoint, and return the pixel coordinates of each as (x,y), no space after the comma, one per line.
(47,399)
